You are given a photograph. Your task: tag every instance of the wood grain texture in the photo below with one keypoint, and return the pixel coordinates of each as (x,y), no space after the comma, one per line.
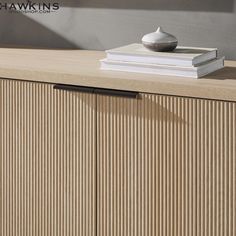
(81,67)
(47,161)
(166,166)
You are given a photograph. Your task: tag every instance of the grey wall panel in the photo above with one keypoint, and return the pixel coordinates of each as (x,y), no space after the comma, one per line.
(100,28)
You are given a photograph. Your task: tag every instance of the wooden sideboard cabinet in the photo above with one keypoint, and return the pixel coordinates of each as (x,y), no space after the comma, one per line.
(75,160)
(84,164)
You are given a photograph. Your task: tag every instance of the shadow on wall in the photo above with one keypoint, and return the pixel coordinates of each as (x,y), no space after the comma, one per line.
(175,5)
(23,35)
(88,31)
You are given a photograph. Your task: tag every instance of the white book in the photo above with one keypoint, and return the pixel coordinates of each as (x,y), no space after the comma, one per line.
(194,72)
(181,56)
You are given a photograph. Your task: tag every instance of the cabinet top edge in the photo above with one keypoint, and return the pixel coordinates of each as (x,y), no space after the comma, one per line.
(82,67)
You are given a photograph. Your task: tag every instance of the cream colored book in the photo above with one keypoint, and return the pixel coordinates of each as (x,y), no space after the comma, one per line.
(184,71)
(181,56)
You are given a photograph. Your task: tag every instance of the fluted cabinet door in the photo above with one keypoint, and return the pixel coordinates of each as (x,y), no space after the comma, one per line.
(47,161)
(166,166)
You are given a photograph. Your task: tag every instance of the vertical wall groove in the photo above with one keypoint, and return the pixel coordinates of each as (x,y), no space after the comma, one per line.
(166,166)
(47,161)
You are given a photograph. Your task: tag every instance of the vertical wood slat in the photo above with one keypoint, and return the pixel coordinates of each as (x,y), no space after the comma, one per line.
(47,161)
(166,166)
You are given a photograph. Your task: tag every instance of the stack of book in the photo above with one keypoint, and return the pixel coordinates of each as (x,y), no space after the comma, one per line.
(183,61)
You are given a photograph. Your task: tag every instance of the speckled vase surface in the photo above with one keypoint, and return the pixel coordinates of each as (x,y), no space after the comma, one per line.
(160,41)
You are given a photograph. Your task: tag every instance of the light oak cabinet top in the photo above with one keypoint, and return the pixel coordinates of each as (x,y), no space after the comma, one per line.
(81,67)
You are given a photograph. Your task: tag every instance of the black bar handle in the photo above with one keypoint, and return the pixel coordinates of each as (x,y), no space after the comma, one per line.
(73,88)
(117,93)
(101,91)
